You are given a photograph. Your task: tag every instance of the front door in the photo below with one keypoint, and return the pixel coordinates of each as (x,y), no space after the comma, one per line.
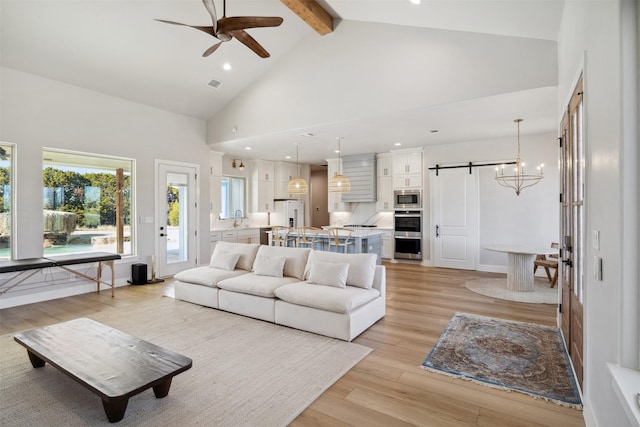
(572,173)
(454,232)
(176,217)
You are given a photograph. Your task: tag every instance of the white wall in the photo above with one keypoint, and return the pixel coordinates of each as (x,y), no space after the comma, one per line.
(37,112)
(589,42)
(302,90)
(504,218)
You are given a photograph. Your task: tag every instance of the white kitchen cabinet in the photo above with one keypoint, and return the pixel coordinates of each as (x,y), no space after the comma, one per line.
(215,163)
(407,169)
(249,235)
(384,201)
(387,244)
(384,165)
(236,235)
(263,170)
(230,236)
(284,172)
(262,186)
(335,203)
(214,237)
(407,181)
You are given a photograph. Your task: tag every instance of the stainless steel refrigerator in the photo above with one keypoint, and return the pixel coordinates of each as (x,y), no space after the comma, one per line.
(289,213)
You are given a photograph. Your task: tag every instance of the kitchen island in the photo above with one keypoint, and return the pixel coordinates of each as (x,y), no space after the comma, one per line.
(365,241)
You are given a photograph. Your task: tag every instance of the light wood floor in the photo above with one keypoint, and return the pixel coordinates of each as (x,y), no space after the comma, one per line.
(386,388)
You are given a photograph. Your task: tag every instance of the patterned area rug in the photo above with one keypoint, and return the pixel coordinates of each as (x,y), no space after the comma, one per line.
(508,355)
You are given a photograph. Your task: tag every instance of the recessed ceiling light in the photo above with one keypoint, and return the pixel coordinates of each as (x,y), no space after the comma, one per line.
(287,157)
(247,148)
(336,151)
(397,144)
(226,66)
(415,1)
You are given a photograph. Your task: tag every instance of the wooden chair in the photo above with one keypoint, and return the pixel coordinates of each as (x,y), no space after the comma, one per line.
(308,237)
(280,236)
(340,238)
(547,263)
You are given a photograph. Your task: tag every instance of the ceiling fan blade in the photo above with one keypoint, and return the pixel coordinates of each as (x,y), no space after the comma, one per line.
(211,49)
(250,42)
(235,23)
(208,30)
(211,8)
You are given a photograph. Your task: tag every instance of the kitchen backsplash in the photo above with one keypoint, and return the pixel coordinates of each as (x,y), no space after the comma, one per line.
(362,214)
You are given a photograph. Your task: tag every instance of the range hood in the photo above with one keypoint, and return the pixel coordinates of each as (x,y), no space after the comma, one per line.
(361,171)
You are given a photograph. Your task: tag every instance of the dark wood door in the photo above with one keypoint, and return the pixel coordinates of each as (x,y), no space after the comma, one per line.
(572,217)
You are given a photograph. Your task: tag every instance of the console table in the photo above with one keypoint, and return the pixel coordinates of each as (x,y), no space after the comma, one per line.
(25,268)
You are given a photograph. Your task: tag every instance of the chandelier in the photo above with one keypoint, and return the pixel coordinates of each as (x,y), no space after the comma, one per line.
(297,185)
(520,179)
(339,183)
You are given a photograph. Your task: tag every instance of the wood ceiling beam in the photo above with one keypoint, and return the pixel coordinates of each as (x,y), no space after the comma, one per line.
(313,14)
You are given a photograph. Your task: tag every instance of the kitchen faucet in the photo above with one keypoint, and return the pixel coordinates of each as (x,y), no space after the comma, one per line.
(237,214)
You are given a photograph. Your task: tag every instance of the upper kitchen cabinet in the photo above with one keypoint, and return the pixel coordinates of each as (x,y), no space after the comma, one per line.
(335,203)
(384,169)
(263,170)
(262,186)
(361,171)
(407,168)
(284,172)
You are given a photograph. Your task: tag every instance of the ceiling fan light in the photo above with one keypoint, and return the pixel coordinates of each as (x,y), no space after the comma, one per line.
(297,186)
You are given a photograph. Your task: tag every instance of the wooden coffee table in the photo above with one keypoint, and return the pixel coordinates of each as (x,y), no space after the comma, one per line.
(110,363)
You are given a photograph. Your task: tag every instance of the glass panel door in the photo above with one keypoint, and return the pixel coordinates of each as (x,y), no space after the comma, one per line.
(176,243)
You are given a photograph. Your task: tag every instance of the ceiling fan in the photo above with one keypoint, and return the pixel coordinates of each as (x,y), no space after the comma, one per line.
(224,29)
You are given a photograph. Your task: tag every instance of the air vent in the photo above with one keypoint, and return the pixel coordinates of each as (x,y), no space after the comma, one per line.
(214,83)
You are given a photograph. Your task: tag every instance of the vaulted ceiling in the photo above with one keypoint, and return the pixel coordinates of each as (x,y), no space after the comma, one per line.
(390,71)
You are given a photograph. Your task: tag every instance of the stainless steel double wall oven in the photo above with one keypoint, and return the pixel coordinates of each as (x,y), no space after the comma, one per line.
(408,234)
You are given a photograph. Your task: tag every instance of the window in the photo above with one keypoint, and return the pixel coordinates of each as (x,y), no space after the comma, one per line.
(6,159)
(233,197)
(86,203)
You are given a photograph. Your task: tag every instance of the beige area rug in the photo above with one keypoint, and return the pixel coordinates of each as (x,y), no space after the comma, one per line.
(497,288)
(245,372)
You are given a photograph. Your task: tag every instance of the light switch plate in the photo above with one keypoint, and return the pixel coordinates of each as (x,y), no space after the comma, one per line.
(597,268)
(595,239)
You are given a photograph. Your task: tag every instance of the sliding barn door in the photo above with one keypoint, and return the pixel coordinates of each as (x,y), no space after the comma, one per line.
(454,210)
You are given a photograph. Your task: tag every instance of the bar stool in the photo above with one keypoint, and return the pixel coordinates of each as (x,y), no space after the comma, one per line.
(308,236)
(340,238)
(280,236)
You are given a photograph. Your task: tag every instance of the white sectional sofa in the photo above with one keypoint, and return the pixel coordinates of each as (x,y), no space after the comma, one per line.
(333,294)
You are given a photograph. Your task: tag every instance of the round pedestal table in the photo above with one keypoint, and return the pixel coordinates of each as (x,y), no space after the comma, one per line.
(520,270)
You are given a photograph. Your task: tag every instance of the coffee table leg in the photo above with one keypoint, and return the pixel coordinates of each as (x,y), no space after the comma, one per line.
(36,362)
(161,390)
(115,408)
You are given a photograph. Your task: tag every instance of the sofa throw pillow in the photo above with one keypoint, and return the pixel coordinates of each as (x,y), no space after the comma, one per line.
(329,274)
(224,261)
(362,267)
(269,266)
